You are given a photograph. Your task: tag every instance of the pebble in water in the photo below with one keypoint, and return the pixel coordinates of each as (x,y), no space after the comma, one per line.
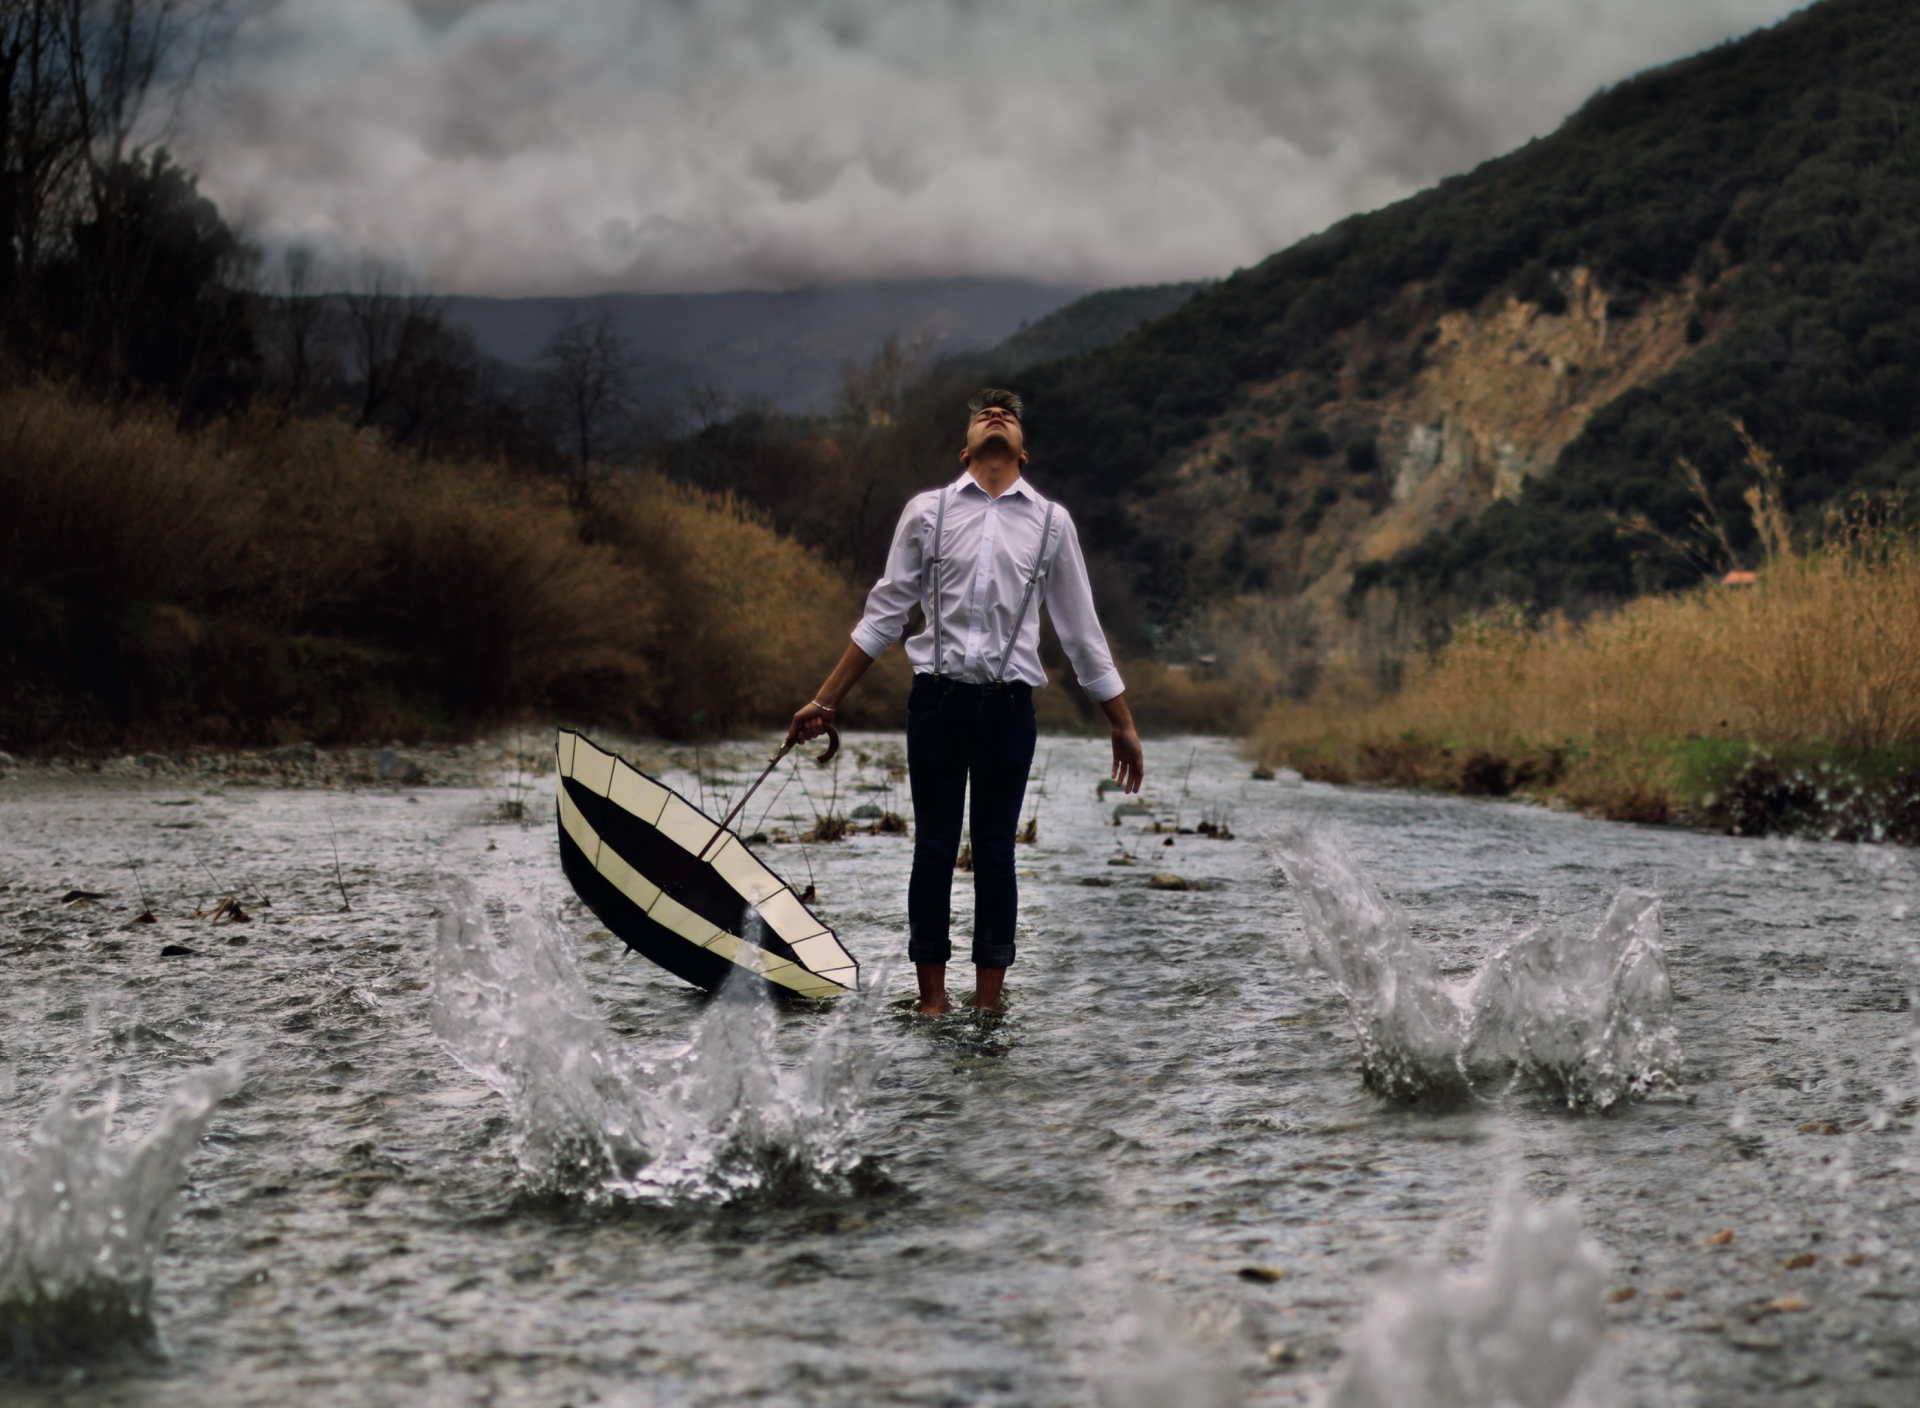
(1589,1017)
(82,1219)
(1525,1331)
(719,1122)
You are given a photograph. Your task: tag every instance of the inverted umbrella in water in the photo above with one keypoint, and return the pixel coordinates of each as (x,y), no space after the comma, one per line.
(681,888)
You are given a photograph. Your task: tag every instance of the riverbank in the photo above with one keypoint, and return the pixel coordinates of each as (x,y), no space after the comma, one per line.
(1176,1098)
(1789,704)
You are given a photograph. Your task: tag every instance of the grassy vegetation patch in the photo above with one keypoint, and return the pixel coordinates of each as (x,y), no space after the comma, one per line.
(1788,706)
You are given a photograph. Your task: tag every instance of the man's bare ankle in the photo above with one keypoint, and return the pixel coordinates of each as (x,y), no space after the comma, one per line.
(987,987)
(933,989)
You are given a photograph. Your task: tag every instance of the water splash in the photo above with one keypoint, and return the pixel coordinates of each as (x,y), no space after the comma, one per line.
(727,1121)
(1589,1017)
(720,1121)
(1167,1361)
(1525,1330)
(1411,1022)
(82,1220)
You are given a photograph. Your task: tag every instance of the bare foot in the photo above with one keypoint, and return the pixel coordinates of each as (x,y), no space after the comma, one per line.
(933,1009)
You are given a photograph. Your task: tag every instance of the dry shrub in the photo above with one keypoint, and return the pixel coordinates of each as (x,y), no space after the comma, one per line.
(522,613)
(1177,699)
(756,620)
(271,581)
(94,512)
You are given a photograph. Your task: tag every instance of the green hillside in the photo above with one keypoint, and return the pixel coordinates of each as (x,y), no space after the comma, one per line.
(1777,178)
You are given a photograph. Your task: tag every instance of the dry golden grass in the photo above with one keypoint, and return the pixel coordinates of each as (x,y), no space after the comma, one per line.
(1825,646)
(1172,699)
(1823,649)
(268,582)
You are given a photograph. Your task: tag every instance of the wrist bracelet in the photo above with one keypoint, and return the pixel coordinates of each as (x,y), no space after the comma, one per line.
(825,708)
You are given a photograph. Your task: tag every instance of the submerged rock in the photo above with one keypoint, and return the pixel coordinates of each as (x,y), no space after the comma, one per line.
(1167,880)
(394,768)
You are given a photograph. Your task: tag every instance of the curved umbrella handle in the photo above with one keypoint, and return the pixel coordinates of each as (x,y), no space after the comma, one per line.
(833,746)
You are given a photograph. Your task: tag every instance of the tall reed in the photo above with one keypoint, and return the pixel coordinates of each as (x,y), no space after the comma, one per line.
(1821,651)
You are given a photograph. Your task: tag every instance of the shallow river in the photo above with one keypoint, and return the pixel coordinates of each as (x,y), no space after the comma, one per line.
(1162,1156)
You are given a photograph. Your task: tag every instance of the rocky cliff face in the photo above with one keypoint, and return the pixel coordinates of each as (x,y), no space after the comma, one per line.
(1402,429)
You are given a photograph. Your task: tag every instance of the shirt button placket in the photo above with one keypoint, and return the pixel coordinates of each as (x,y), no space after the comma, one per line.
(977,602)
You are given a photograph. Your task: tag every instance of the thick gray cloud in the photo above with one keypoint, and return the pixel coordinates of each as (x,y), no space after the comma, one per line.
(543,146)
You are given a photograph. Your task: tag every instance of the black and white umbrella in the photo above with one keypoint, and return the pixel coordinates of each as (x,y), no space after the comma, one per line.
(681,888)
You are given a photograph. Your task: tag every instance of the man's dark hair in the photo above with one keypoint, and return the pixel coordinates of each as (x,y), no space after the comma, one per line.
(1006,400)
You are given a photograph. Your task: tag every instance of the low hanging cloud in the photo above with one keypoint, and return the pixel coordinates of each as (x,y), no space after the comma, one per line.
(566,146)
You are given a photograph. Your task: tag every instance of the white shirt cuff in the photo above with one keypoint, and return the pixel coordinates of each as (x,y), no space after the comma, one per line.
(870,640)
(1104,687)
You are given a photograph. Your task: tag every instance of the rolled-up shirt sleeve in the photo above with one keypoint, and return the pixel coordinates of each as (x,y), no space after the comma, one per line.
(1069,600)
(893,597)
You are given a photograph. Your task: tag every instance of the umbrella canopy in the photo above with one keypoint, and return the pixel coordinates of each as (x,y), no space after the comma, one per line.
(681,890)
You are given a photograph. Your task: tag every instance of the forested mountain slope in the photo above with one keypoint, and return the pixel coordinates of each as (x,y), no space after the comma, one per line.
(1463,394)
(1086,324)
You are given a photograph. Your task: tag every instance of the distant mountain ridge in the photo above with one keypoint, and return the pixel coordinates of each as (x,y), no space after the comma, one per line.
(783,347)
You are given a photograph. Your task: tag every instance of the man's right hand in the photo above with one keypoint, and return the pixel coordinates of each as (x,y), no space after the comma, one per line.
(809,722)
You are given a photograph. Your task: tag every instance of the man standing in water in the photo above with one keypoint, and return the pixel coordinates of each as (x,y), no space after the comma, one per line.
(980,556)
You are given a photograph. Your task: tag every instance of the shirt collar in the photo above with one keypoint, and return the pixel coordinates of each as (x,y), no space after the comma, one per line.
(1019,486)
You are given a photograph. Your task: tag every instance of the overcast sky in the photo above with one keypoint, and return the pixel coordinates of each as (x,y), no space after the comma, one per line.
(561,146)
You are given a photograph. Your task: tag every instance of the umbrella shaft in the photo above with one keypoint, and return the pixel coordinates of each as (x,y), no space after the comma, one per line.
(738,806)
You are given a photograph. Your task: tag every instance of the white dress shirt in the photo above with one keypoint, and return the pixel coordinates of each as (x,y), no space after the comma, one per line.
(988,547)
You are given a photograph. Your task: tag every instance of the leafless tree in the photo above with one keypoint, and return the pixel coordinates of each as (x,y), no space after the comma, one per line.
(301,330)
(876,454)
(588,388)
(439,391)
(707,406)
(86,86)
(389,329)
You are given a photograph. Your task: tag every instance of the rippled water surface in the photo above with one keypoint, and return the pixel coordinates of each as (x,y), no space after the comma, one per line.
(1157,1180)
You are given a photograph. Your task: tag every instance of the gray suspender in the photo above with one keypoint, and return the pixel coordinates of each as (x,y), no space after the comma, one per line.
(939,529)
(1026,599)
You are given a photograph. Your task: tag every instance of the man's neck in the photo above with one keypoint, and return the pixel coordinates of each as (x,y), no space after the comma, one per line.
(996,475)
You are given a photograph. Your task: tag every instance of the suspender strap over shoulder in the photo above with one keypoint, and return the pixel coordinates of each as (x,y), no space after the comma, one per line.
(1026,597)
(939,531)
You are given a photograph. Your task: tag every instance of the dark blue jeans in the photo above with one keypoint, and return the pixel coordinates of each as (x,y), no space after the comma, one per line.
(955,732)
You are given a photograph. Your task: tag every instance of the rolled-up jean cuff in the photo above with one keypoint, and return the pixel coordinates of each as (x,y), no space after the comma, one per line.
(930,950)
(993,955)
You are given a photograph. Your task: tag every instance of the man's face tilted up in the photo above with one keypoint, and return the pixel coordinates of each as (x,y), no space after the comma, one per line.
(994,431)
